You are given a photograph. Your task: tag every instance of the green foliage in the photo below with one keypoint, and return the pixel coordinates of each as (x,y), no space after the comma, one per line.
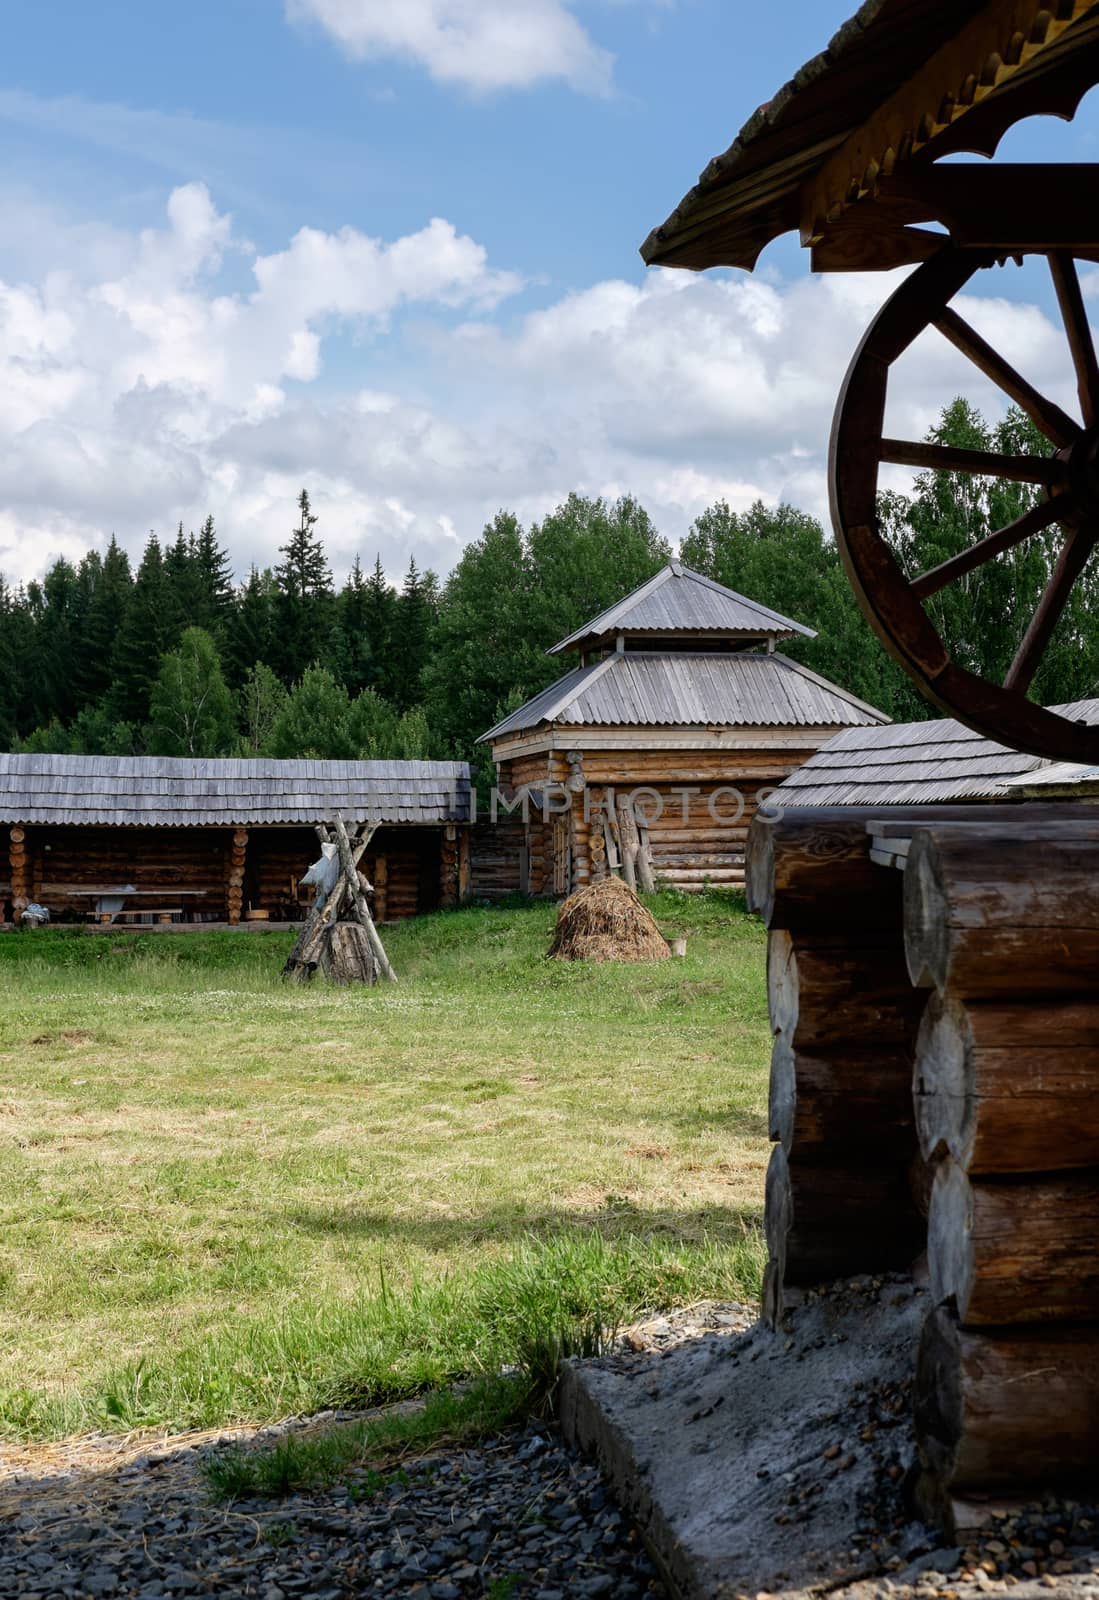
(982,617)
(262,702)
(190,708)
(314,721)
(781,557)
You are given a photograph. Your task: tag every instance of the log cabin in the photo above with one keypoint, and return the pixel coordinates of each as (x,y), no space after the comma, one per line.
(106,839)
(681,701)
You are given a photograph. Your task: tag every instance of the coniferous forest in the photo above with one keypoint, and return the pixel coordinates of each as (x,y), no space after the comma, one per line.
(179,656)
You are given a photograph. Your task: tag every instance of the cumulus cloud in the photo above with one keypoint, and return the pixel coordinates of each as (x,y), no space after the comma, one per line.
(478,44)
(137,390)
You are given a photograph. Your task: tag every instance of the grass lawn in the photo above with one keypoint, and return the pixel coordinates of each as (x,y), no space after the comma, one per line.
(226,1199)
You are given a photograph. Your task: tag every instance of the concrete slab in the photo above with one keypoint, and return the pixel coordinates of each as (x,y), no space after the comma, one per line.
(766,1461)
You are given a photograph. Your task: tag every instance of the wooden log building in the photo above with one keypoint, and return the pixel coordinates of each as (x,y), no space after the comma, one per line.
(106,839)
(680,706)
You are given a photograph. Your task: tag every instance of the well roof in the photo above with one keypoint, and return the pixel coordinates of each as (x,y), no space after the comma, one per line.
(153,791)
(911,763)
(639,689)
(677,600)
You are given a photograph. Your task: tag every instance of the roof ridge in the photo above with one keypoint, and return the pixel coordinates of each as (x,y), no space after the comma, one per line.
(642,592)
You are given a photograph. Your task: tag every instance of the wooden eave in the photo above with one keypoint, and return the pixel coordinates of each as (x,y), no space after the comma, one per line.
(903,83)
(563,737)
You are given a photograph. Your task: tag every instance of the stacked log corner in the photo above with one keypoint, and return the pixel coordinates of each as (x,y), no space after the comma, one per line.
(843,1185)
(1002,925)
(20,880)
(234,875)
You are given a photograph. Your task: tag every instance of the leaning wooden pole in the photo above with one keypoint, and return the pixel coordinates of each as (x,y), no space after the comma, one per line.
(358,899)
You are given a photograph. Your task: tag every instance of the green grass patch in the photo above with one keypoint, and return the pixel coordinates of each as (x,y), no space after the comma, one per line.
(223,1199)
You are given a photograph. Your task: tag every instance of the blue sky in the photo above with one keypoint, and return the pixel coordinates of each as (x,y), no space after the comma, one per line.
(219,278)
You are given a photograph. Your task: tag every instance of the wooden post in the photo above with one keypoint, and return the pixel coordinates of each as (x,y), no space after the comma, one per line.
(381,888)
(628,841)
(464,871)
(448,868)
(20,886)
(235,874)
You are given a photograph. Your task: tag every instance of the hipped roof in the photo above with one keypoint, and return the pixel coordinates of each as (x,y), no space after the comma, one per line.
(677,600)
(637,689)
(912,763)
(149,791)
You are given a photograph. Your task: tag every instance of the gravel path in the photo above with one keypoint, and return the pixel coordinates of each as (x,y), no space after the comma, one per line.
(520,1516)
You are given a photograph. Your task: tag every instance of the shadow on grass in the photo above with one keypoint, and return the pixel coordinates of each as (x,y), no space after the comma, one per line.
(738,1120)
(617,1220)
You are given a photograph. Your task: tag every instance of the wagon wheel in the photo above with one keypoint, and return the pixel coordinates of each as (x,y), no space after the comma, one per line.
(1068,478)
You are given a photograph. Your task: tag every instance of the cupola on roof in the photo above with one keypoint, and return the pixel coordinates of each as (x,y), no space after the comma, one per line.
(679,601)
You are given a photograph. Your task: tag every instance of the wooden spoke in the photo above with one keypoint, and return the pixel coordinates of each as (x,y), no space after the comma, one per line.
(1070,563)
(1006,538)
(1067,284)
(1056,424)
(986,463)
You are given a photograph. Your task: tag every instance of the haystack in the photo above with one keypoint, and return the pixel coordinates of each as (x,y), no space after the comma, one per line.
(606,922)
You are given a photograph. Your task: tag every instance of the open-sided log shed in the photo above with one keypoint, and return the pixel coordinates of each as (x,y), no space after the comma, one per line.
(212,840)
(933,949)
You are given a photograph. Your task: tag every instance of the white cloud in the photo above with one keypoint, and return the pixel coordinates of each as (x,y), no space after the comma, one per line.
(479,44)
(136,392)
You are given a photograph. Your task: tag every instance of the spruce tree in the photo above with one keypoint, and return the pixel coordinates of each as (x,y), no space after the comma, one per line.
(9,677)
(354,653)
(305,601)
(214,582)
(379,614)
(181,582)
(413,621)
(251,626)
(106,609)
(148,629)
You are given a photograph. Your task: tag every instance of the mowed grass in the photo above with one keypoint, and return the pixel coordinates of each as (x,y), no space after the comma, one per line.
(228,1199)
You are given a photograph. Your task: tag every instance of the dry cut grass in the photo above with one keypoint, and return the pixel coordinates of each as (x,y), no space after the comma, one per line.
(224,1199)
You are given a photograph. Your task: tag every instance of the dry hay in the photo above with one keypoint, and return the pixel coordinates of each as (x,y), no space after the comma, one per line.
(606,922)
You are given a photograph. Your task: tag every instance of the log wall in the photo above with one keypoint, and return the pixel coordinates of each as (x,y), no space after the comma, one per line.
(935,1078)
(1001,924)
(697,826)
(844,1186)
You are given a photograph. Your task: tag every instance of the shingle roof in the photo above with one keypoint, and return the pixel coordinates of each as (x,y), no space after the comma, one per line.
(148,791)
(677,600)
(638,689)
(909,763)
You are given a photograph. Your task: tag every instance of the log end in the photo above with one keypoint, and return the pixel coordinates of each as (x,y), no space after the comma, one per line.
(950,1238)
(759,869)
(783,1092)
(925,930)
(942,1081)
